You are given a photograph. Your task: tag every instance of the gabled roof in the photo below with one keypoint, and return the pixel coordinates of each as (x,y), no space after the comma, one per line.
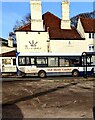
(53,25)
(9,54)
(51,21)
(88,24)
(3,42)
(25,27)
(2,39)
(60,34)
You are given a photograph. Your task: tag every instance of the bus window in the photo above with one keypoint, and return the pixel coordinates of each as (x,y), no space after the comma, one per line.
(32,61)
(52,61)
(74,61)
(27,61)
(69,61)
(41,61)
(21,60)
(63,61)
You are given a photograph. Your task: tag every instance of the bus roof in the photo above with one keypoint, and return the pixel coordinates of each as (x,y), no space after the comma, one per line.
(89,53)
(49,54)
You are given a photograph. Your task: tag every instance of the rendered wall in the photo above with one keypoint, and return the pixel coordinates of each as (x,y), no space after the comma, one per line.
(70,46)
(32,41)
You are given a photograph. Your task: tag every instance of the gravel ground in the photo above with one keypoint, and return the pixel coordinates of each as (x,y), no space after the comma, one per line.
(48,98)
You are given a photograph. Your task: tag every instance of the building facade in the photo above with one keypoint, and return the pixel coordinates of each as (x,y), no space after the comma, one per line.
(48,33)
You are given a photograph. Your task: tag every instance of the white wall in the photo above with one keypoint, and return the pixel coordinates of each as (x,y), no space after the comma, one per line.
(70,46)
(32,41)
(59,46)
(80,29)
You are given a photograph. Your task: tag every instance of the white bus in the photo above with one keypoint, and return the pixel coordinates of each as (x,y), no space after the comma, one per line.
(48,64)
(8,64)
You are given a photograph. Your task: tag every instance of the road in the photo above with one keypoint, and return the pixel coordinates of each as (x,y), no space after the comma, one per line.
(52,97)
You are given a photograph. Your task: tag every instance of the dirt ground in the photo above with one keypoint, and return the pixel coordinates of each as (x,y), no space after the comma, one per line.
(48,98)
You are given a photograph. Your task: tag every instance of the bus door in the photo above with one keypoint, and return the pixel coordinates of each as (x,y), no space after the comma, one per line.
(93,64)
(88,62)
(84,64)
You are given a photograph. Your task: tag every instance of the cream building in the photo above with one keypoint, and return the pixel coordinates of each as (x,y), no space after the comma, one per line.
(36,38)
(48,33)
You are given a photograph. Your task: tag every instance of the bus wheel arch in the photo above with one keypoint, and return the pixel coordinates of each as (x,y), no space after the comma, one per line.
(42,74)
(75,73)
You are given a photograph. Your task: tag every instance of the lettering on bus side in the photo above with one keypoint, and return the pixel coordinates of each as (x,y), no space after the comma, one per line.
(59,70)
(67,69)
(49,69)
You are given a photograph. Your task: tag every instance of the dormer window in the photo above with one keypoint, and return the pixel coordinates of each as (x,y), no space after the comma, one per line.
(91,35)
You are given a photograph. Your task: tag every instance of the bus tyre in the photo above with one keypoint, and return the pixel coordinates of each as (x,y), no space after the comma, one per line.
(75,73)
(42,74)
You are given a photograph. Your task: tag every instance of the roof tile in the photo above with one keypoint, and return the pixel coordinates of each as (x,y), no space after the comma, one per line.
(53,25)
(9,54)
(88,24)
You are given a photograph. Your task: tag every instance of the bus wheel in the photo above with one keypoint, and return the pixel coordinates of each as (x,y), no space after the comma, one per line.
(75,73)
(42,74)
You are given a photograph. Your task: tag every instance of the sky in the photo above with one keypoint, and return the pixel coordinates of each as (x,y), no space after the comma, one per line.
(10,12)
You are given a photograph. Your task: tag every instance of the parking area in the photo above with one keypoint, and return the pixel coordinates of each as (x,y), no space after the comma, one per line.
(52,97)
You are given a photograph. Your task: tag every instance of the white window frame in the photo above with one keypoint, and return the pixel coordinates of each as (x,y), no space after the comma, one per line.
(91,48)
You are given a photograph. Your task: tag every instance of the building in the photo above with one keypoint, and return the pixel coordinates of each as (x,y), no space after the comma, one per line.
(48,33)
(86,28)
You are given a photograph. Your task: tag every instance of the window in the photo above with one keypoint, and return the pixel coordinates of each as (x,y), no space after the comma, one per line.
(21,61)
(32,61)
(89,35)
(75,61)
(88,60)
(41,61)
(91,48)
(92,35)
(6,61)
(69,61)
(64,61)
(27,61)
(14,61)
(52,61)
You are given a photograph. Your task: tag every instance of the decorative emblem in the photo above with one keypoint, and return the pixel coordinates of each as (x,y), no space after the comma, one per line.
(33,44)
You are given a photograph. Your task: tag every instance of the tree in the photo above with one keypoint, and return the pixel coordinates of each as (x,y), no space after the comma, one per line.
(18,24)
(74,19)
(24,21)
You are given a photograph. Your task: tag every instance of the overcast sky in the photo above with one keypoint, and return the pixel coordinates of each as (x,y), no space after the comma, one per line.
(12,11)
